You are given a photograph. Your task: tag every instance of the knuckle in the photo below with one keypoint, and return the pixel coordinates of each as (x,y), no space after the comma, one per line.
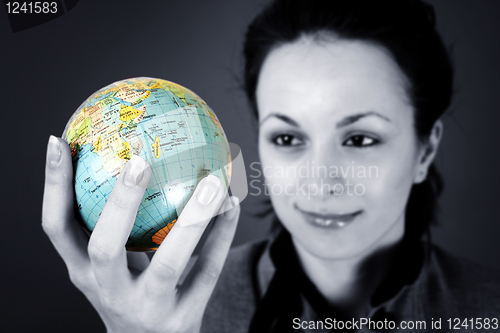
(76,278)
(209,272)
(49,228)
(99,254)
(57,178)
(164,270)
(226,233)
(155,288)
(83,280)
(196,215)
(118,201)
(122,198)
(52,177)
(80,280)
(190,221)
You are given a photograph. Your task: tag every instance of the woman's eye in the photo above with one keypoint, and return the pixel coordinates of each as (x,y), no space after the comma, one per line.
(286,140)
(360,141)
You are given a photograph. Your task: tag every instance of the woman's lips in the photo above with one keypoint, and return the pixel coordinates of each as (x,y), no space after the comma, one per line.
(331,221)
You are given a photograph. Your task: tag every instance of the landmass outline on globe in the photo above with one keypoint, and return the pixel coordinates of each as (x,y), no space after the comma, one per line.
(163,122)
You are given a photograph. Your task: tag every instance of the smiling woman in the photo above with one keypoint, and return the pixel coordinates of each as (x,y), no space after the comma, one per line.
(318,81)
(347,97)
(337,85)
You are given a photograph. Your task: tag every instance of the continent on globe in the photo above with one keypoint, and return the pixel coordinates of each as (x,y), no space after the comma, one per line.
(164,123)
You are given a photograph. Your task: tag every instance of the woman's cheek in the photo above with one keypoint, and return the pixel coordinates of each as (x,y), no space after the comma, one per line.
(279,177)
(387,191)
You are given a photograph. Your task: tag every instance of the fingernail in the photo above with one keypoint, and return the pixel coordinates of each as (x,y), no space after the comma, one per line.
(54,151)
(209,189)
(231,213)
(136,172)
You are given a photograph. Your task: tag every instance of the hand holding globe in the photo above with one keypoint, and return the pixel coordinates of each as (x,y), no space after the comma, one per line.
(130,293)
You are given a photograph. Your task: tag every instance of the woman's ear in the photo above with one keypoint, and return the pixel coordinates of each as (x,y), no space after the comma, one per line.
(428,151)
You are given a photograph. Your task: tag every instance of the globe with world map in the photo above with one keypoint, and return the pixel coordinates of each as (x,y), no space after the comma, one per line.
(164,123)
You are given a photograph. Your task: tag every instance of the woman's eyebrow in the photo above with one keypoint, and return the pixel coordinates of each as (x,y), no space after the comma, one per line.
(352,119)
(282,117)
(344,122)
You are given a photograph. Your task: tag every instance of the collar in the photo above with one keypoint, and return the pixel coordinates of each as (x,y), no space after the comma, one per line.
(404,277)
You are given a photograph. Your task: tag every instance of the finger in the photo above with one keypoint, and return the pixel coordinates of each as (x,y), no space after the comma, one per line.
(58,220)
(107,243)
(200,282)
(173,254)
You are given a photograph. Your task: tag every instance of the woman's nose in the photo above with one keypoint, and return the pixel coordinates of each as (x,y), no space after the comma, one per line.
(325,175)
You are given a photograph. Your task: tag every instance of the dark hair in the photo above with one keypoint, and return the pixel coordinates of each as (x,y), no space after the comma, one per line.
(407,28)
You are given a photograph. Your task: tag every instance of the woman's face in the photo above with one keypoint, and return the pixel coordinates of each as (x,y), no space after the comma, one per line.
(337,144)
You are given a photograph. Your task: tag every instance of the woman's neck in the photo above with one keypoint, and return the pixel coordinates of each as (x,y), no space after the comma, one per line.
(347,284)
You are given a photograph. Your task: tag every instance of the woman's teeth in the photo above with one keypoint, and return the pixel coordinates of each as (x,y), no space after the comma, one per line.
(326,222)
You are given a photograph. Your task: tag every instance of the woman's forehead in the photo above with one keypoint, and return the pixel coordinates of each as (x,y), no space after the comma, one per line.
(348,75)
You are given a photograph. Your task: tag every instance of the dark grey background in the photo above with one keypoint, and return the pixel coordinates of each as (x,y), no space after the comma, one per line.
(47,71)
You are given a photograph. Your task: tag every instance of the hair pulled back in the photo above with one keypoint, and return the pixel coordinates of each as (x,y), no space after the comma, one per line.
(406,28)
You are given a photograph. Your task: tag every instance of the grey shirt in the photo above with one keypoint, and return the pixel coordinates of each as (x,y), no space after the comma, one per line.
(453,291)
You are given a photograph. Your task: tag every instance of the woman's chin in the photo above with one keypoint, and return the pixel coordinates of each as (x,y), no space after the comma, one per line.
(329,244)
(356,238)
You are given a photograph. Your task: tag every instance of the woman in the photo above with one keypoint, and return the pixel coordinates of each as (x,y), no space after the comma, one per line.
(351,92)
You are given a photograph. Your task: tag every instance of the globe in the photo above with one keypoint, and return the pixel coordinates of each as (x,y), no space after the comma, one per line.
(164,123)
